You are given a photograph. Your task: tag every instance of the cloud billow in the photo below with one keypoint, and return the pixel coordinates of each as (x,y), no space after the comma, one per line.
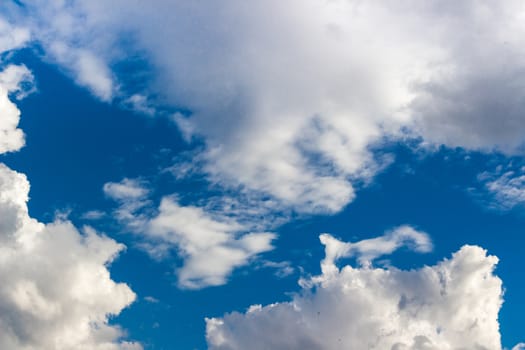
(291,97)
(451,305)
(56,291)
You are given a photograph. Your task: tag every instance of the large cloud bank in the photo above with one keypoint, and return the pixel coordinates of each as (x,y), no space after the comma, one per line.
(291,96)
(451,305)
(56,292)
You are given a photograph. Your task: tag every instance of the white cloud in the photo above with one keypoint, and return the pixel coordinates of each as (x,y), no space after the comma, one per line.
(62,30)
(282,268)
(15,80)
(56,291)
(369,249)
(291,96)
(127,189)
(151,299)
(185,126)
(452,305)
(131,194)
(507,187)
(12,37)
(210,247)
(88,69)
(93,215)
(139,103)
(211,244)
(475,100)
(18,80)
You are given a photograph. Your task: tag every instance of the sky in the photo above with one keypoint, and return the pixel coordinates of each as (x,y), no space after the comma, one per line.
(300,174)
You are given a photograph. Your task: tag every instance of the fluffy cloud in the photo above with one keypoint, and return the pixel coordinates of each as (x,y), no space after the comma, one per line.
(475,99)
(16,80)
(451,305)
(291,97)
(211,245)
(56,290)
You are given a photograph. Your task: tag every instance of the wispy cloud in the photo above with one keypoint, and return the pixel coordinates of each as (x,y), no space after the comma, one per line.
(211,244)
(93,215)
(370,249)
(505,186)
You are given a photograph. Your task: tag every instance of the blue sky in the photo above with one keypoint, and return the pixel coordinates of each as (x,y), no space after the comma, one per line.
(184,159)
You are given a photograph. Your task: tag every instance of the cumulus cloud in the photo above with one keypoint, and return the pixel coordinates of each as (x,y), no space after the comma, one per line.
(451,305)
(292,97)
(211,245)
(16,80)
(56,291)
(475,99)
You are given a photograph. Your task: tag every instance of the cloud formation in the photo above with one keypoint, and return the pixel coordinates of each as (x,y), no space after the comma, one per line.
(56,291)
(506,185)
(291,98)
(451,305)
(16,80)
(211,245)
(62,29)
(12,37)
(369,249)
